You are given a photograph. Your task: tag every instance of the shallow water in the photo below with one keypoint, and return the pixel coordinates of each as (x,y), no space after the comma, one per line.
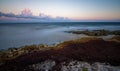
(16,35)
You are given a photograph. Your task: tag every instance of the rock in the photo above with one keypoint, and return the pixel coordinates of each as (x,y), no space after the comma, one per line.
(100,32)
(84,66)
(46,65)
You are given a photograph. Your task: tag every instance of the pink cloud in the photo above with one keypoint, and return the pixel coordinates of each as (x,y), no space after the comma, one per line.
(7,18)
(26,12)
(26,15)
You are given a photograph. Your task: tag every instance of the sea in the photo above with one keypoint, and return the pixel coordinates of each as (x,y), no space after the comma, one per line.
(15,35)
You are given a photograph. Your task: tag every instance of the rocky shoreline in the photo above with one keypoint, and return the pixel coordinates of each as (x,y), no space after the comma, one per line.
(73,55)
(100,32)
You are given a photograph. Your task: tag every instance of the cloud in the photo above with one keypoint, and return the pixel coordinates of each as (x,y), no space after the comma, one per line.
(26,14)
(7,15)
(43,15)
(7,18)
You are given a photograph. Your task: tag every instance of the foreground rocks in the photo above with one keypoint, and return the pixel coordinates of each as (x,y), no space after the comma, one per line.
(95,32)
(86,54)
(49,65)
(84,66)
(45,66)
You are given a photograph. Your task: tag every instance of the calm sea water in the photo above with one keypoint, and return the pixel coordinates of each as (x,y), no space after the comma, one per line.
(21,34)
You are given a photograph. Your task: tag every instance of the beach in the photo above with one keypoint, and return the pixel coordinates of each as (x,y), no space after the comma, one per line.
(91,52)
(60,47)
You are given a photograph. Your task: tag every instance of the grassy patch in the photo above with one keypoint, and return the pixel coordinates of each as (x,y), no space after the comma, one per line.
(84,69)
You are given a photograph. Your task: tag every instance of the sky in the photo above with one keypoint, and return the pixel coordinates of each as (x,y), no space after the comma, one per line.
(59,10)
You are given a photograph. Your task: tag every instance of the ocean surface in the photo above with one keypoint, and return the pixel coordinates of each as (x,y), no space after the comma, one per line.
(21,34)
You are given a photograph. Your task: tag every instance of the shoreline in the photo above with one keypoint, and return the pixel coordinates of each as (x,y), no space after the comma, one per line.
(88,49)
(99,32)
(68,35)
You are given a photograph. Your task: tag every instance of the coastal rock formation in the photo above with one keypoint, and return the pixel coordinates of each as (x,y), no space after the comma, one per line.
(49,65)
(95,32)
(74,55)
(45,66)
(115,38)
(84,66)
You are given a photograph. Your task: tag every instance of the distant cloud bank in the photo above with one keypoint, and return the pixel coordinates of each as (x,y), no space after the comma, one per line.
(27,16)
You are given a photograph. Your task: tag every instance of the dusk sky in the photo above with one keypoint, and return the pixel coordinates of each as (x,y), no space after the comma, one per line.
(60,10)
